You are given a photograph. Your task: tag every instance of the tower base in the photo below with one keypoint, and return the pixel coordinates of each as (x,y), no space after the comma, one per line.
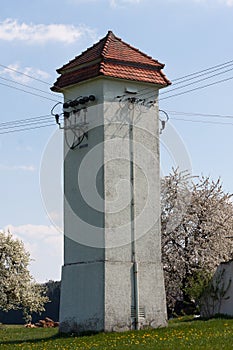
(99,297)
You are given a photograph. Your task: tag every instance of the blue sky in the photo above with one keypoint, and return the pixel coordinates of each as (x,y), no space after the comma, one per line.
(37,37)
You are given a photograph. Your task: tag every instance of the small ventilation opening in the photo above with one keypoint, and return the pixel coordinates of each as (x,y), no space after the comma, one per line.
(142,313)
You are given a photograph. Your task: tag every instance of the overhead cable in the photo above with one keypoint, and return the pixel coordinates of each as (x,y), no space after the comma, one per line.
(201,121)
(197,88)
(195,82)
(146,92)
(28,86)
(28,92)
(48,116)
(203,70)
(26,75)
(188,114)
(25,129)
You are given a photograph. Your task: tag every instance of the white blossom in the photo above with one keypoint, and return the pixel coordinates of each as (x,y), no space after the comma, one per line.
(17,287)
(196,223)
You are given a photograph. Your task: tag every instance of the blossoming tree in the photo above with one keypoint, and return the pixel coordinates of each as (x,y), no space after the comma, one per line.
(17,287)
(197,223)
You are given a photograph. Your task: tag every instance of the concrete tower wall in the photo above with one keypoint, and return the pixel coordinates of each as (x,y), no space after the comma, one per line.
(112,275)
(138,221)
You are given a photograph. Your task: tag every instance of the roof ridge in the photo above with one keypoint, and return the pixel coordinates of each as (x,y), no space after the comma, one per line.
(142,53)
(110,35)
(59,70)
(106,45)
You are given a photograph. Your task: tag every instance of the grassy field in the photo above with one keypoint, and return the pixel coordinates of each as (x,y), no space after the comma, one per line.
(180,334)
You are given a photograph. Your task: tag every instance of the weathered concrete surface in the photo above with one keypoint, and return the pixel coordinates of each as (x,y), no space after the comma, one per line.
(82,283)
(111,214)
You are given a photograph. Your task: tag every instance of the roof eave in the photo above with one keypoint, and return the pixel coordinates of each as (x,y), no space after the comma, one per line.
(60,89)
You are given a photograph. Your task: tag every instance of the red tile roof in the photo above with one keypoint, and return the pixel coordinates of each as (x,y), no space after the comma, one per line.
(111,57)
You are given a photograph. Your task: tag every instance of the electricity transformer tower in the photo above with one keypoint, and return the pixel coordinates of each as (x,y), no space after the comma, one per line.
(112,278)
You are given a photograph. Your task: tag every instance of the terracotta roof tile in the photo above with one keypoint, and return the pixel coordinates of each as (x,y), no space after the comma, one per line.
(77,76)
(132,73)
(113,58)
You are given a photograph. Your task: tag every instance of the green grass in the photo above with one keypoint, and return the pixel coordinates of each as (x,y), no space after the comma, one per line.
(183,333)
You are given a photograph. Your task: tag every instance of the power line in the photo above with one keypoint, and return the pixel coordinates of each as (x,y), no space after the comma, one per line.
(200,114)
(195,82)
(29,123)
(191,90)
(48,116)
(191,76)
(26,75)
(201,121)
(204,70)
(12,127)
(28,86)
(44,121)
(228,63)
(197,88)
(202,74)
(52,124)
(25,129)
(25,124)
(28,92)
